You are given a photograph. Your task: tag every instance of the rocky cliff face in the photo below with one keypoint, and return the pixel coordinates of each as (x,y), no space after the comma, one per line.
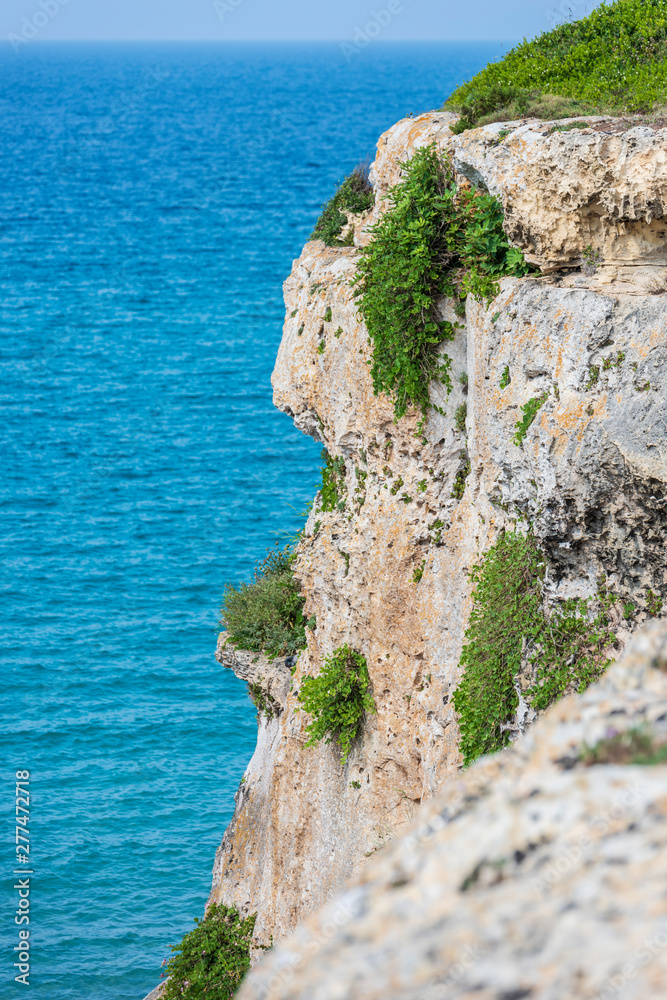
(388,573)
(533,875)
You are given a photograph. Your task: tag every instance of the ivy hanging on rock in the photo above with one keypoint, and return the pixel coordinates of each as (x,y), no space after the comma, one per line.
(435,240)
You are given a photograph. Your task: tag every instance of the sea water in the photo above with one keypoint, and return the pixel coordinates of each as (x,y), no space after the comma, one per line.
(152,199)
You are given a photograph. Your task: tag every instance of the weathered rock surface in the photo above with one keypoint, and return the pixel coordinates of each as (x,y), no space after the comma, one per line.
(388,571)
(529,876)
(273,676)
(603,187)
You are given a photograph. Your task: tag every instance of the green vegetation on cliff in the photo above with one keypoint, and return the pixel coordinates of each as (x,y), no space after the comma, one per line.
(509,632)
(434,241)
(266,616)
(354,195)
(338,698)
(211,960)
(613,61)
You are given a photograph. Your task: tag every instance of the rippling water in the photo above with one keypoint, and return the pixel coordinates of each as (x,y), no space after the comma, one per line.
(151,202)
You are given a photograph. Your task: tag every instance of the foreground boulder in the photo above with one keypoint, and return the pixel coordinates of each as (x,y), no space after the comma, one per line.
(538,873)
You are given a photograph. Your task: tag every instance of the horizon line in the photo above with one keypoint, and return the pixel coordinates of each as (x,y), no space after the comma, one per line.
(260,41)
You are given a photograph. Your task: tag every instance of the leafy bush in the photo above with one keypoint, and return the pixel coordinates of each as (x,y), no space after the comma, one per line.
(433,241)
(338,699)
(565,649)
(211,960)
(266,616)
(614,60)
(354,195)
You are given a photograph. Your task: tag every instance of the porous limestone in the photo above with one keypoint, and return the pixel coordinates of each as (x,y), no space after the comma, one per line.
(388,571)
(530,876)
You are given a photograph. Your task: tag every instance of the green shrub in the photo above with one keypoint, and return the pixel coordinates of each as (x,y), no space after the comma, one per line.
(354,195)
(565,650)
(614,60)
(338,699)
(333,489)
(266,616)
(506,610)
(211,960)
(433,241)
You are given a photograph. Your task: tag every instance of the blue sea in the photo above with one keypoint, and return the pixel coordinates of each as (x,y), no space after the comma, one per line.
(152,199)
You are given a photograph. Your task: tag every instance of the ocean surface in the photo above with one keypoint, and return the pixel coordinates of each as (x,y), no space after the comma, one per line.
(152,199)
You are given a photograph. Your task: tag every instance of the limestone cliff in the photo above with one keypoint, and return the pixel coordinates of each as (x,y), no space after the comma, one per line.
(389,573)
(534,875)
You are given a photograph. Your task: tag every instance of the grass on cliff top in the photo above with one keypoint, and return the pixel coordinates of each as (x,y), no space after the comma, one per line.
(266,615)
(613,61)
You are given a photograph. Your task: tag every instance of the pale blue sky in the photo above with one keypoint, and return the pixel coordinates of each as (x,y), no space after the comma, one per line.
(232,20)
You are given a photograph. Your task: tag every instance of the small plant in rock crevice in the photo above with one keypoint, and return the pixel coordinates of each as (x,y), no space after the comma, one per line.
(460,417)
(333,489)
(593,376)
(354,195)
(505,378)
(211,960)
(419,572)
(529,411)
(338,699)
(262,701)
(435,240)
(653,604)
(458,489)
(591,259)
